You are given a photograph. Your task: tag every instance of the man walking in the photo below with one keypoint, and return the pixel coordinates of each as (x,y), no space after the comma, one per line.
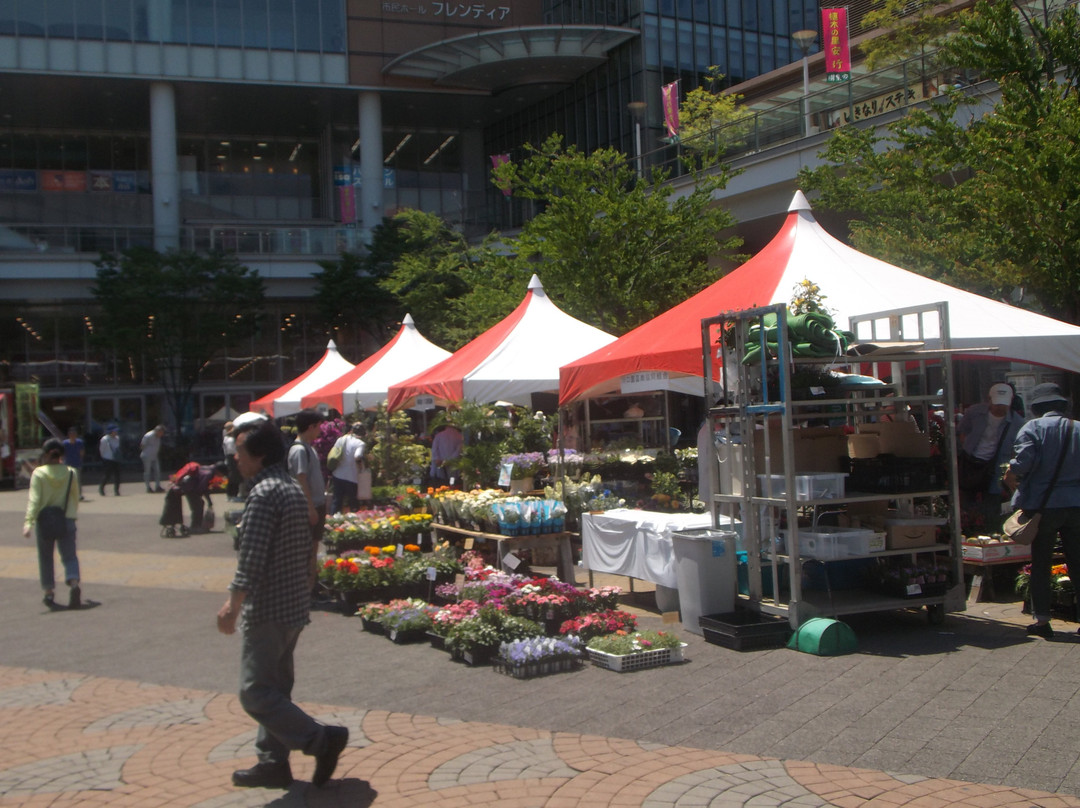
(271,594)
(109,449)
(149,450)
(74,453)
(305,468)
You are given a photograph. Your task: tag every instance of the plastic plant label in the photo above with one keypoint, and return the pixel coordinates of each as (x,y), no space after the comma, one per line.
(512,561)
(432,573)
(669,617)
(469,543)
(400,550)
(914,589)
(459,579)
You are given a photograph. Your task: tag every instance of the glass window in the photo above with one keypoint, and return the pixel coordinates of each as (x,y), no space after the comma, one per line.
(282,25)
(650,42)
(229,23)
(201,22)
(735,57)
(750,56)
(734,13)
(718,15)
(308,35)
(7,17)
(31,19)
(768,54)
(61,17)
(118,19)
(686,45)
(255,30)
(668,51)
(701,47)
(88,19)
(333,26)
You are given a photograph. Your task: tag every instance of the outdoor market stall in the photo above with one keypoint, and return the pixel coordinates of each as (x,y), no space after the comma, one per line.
(366,385)
(286,399)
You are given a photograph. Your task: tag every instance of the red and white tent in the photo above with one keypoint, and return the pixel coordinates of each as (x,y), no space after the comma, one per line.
(366,385)
(518,356)
(286,399)
(853,283)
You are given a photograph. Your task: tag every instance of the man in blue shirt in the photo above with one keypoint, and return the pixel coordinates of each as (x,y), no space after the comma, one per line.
(74,452)
(986,432)
(1039,445)
(271,595)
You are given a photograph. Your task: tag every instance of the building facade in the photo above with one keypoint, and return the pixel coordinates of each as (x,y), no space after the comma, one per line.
(283,131)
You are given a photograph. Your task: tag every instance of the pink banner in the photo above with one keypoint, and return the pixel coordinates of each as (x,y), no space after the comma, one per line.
(669,94)
(347,198)
(834,25)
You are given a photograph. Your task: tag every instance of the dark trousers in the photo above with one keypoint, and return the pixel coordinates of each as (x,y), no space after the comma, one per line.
(111,472)
(232,485)
(1065,521)
(344,495)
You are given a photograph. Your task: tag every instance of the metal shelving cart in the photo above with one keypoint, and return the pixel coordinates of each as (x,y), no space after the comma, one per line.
(757,419)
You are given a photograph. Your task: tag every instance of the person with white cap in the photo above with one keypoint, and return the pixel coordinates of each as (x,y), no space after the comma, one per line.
(1046,445)
(986,433)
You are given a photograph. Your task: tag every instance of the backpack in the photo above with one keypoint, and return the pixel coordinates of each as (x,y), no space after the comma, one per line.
(333,460)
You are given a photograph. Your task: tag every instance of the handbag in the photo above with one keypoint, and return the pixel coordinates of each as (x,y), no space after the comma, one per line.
(337,451)
(1023,526)
(52,519)
(973,474)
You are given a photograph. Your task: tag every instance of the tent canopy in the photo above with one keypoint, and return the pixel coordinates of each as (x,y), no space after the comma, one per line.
(853,283)
(518,356)
(366,385)
(286,399)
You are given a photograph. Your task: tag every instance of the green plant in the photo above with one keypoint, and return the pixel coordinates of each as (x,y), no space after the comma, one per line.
(622,644)
(665,483)
(396,459)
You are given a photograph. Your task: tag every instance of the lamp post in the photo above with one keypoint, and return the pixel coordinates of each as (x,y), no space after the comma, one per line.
(805,40)
(637,110)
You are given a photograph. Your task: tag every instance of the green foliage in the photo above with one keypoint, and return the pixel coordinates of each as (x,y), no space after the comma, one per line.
(349,297)
(399,459)
(985,203)
(614,250)
(710,120)
(531,432)
(666,483)
(909,27)
(180,310)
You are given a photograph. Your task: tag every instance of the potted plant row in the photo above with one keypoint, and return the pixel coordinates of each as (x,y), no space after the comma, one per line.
(631,651)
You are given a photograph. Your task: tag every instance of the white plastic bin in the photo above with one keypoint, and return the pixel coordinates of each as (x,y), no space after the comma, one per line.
(817,485)
(706,572)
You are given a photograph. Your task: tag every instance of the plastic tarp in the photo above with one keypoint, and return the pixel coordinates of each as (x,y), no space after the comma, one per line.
(367,384)
(518,356)
(286,399)
(853,283)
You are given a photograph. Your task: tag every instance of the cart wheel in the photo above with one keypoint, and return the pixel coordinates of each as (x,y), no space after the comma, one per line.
(935,613)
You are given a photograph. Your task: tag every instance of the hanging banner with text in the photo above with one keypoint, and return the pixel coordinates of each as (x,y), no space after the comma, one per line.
(834,25)
(669,95)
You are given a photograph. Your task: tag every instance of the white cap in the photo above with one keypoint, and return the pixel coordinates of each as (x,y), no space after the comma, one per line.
(247,418)
(1000,393)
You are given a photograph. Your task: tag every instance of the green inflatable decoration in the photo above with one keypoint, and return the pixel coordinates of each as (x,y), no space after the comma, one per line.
(823,636)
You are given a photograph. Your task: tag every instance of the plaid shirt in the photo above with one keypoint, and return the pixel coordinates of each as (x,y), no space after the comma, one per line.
(274,560)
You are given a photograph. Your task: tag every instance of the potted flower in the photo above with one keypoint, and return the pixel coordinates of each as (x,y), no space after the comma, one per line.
(629,651)
(596,624)
(407,620)
(539,656)
(476,639)
(523,468)
(370,615)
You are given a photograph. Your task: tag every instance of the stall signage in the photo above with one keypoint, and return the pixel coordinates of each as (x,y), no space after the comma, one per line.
(424,403)
(645,380)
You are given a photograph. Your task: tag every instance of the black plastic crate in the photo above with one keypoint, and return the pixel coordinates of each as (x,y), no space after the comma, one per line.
(745,630)
(886,474)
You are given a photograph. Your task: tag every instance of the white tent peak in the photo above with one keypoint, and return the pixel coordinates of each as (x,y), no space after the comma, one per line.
(536,287)
(332,346)
(408,321)
(799,202)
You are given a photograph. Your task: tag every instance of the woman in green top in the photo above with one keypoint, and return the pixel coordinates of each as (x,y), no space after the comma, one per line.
(53,483)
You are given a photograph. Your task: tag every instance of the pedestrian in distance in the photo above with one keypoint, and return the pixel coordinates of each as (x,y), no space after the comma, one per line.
(109,448)
(149,453)
(345,476)
(74,454)
(228,448)
(306,468)
(986,434)
(1047,443)
(270,596)
(52,509)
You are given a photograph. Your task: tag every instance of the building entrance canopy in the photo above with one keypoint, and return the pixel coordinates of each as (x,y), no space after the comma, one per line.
(507,57)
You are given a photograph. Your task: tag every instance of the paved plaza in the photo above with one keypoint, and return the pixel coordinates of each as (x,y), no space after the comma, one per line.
(133,703)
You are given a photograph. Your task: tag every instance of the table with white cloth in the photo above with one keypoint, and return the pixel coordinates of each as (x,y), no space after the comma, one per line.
(635,543)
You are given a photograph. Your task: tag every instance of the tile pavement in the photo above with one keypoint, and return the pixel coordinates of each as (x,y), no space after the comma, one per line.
(132,704)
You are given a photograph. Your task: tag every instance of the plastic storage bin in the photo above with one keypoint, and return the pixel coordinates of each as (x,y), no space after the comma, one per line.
(828,543)
(821,485)
(705,569)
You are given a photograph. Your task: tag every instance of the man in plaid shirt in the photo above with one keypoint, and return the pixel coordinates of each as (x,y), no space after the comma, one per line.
(271,595)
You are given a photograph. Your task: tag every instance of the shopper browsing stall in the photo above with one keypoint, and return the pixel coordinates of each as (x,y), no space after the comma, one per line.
(986,434)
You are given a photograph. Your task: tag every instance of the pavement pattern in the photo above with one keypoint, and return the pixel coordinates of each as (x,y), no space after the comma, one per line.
(133,704)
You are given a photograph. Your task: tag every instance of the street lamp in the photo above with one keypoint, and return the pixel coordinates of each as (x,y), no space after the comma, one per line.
(637,110)
(805,40)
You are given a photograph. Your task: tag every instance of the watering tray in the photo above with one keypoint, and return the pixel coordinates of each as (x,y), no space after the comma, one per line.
(745,630)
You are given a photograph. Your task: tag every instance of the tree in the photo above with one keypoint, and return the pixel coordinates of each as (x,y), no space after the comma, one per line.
(988,203)
(909,27)
(178,309)
(615,249)
(710,120)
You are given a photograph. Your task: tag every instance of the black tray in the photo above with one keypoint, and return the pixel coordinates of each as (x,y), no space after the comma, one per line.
(745,630)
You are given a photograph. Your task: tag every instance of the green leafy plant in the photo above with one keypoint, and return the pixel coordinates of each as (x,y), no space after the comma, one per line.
(622,644)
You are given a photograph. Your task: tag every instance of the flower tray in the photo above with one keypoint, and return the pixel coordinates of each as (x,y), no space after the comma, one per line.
(638,661)
(482,655)
(438,641)
(926,590)
(374,626)
(541,667)
(405,635)
(744,630)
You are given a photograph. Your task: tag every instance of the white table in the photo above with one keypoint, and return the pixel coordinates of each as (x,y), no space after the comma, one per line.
(635,543)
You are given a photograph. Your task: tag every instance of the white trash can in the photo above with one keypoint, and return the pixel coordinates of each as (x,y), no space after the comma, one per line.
(706,571)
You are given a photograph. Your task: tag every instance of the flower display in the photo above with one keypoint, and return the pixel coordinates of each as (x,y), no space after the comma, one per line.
(374,569)
(449,616)
(621,643)
(525,464)
(489,627)
(1060,582)
(596,624)
(411,614)
(534,649)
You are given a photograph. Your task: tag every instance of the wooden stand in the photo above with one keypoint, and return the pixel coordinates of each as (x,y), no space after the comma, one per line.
(507,544)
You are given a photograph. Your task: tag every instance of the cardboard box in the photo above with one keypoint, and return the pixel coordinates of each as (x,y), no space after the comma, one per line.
(900,438)
(814,448)
(863,446)
(995,551)
(900,534)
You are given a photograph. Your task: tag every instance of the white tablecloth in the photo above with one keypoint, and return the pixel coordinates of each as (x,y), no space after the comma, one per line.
(635,543)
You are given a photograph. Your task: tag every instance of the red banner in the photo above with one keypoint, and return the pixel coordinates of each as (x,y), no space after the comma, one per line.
(496,161)
(834,25)
(669,95)
(63,180)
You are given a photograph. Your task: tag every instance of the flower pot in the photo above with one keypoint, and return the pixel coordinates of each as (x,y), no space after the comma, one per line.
(406,635)
(438,641)
(373,626)
(522,486)
(540,667)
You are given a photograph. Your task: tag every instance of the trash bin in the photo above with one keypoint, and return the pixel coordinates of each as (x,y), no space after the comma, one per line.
(705,569)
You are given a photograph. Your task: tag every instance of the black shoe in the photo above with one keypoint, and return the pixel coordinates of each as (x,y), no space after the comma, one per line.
(50,601)
(336,740)
(263,775)
(75,599)
(1041,630)
(159,490)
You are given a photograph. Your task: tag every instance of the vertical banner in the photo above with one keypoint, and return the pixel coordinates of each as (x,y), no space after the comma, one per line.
(496,161)
(347,200)
(834,24)
(669,96)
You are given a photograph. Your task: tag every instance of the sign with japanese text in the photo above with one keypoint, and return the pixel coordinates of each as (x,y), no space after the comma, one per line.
(669,95)
(834,25)
(63,180)
(644,381)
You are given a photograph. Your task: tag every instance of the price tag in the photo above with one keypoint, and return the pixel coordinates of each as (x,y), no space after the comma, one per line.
(512,561)
(432,573)
(459,579)
(400,550)
(914,589)
(667,618)
(469,543)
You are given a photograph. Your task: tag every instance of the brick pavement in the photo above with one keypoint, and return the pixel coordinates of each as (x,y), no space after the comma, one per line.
(91,717)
